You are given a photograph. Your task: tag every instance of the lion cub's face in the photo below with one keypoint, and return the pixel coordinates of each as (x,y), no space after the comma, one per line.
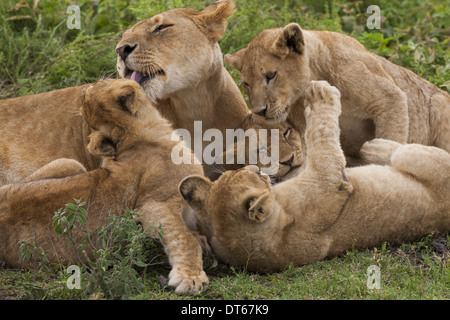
(108,106)
(291,152)
(239,199)
(274,70)
(173,50)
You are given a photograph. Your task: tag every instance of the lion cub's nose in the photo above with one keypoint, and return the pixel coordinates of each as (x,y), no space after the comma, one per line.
(125,50)
(289,162)
(262,112)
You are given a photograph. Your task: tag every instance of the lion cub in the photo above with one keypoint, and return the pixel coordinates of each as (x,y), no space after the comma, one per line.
(379,99)
(135,144)
(326,209)
(290,148)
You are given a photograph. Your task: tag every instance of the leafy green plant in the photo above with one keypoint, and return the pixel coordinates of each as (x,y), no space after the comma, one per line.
(64,220)
(122,256)
(29,251)
(114,258)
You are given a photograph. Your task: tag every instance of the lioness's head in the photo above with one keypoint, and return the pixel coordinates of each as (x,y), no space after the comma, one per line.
(174,50)
(235,207)
(112,108)
(274,70)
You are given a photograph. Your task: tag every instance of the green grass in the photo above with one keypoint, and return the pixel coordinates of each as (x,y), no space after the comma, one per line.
(410,271)
(39,53)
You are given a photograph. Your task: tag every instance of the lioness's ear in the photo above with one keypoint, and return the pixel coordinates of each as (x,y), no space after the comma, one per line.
(195,189)
(214,18)
(234,60)
(100,145)
(260,208)
(289,40)
(126,98)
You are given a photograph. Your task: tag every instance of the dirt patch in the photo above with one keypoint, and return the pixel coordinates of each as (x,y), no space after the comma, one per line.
(437,250)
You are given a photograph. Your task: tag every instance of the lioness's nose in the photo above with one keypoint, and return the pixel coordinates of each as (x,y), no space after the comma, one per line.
(125,50)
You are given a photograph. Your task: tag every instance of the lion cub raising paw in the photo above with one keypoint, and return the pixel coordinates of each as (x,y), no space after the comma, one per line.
(135,144)
(327,209)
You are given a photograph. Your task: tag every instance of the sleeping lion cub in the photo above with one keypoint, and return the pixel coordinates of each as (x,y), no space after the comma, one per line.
(326,209)
(134,142)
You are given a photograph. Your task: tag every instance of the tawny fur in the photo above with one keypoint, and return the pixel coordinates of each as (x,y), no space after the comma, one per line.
(194,85)
(379,99)
(134,142)
(291,152)
(327,209)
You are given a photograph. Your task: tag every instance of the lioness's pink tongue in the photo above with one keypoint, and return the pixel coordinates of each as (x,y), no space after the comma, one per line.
(136,76)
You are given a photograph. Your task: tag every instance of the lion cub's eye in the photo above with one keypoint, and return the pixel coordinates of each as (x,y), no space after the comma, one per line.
(245,85)
(161,27)
(287,133)
(270,75)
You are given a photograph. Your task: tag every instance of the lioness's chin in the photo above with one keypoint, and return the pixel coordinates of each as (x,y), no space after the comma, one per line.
(154,88)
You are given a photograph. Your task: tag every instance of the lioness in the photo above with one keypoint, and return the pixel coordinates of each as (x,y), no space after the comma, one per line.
(176,59)
(134,142)
(327,209)
(379,99)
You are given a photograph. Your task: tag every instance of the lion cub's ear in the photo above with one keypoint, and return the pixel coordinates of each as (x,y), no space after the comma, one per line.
(214,18)
(194,190)
(127,98)
(259,209)
(100,145)
(234,60)
(290,40)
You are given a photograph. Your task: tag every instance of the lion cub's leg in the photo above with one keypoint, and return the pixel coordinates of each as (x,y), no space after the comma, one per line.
(324,154)
(429,165)
(379,151)
(385,103)
(59,168)
(323,182)
(181,245)
(440,121)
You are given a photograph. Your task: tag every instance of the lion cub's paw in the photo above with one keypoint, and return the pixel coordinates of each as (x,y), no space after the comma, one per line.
(378,151)
(187,282)
(321,93)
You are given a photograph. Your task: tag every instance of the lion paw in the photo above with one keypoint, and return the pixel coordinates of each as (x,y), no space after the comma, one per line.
(186,281)
(378,151)
(320,94)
